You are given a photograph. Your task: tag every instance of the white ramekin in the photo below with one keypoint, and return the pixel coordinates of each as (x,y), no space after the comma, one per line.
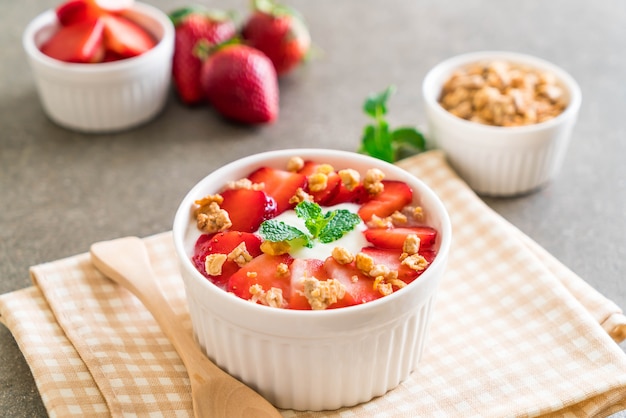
(312,360)
(500,161)
(103,97)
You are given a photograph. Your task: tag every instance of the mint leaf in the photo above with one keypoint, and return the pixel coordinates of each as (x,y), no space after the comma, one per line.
(339,223)
(326,227)
(379,141)
(276,231)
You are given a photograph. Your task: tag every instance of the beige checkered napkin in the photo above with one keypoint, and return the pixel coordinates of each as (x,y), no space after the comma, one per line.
(514,333)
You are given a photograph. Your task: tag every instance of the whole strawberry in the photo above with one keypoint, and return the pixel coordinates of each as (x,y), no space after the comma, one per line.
(195,25)
(241,84)
(279,33)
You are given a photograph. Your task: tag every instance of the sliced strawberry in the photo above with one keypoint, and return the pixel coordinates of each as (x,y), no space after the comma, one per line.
(279,184)
(301,268)
(322,197)
(393,238)
(223,243)
(395,196)
(247,209)
(391,258)
(81,43)
(357,195)
(262,270)
(125,37)
(75,11)
(359,288)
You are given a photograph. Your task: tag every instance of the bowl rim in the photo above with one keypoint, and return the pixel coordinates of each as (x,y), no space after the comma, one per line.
(180,227)
(444,68)
(48,18)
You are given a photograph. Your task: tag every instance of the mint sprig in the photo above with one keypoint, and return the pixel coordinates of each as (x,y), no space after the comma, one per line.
(379,141)
(324,227)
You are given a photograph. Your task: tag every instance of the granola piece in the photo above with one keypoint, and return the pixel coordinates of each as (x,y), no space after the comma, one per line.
(240,255)
(373,181)
(273,297)
(342,255)
(212,218)
(364,262)
(350,178)
(244,184)
(411,244)
(322,294)
(398,218)
(295,164)
(317,181)
(414,261)
(207,200)
(282,270)
(213,264)
(275,248)
(378,222)
(300,196)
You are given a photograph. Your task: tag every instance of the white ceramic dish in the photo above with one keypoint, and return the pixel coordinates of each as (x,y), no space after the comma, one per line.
(312,360)
(103,97)
(493,160)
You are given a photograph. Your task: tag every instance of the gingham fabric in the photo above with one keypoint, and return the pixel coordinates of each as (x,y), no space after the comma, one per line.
(514,332)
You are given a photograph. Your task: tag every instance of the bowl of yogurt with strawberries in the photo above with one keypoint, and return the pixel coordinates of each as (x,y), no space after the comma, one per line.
(310,274)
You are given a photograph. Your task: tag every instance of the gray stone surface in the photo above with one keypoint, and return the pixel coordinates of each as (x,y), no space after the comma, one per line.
(61,190)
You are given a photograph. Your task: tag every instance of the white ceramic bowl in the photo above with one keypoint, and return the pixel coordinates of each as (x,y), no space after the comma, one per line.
(103,97)
(312,360)
(495,160)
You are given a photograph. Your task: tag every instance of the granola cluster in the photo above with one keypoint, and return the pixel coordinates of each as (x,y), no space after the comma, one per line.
(500,93)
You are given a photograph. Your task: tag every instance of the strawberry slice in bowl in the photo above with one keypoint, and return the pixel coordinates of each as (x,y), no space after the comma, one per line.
(394,238)
(281,185)
(395,196)
(247,208)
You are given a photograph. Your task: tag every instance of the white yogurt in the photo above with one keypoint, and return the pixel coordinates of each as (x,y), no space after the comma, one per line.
(352,241)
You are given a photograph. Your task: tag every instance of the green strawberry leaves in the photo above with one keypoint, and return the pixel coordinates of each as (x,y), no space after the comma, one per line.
(379,140)
(325,227)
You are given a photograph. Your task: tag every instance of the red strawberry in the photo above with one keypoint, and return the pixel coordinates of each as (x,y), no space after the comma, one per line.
(358,291)
(240,82)
(194,25)
(395,196)
(247,209)
(391,258)
(74,11)
(299,269)
(279,32)
(393,238)
(262,270)
(125,37)
(279,184)
(322,197)
(81,42)
(223,243)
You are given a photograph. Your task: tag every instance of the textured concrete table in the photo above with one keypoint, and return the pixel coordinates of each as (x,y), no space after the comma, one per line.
(61,190)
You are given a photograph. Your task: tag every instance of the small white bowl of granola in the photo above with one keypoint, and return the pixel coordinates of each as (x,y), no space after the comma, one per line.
(503,119)
(312,321)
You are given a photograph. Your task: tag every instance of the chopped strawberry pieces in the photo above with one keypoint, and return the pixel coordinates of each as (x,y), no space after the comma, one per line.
(223,243)
(301,268)
(393,238)
(78,43)
(333,182)
(125,37)
(248,208)
(359,287)
(263,271)
(395,196)
(93,32)
(281,185)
